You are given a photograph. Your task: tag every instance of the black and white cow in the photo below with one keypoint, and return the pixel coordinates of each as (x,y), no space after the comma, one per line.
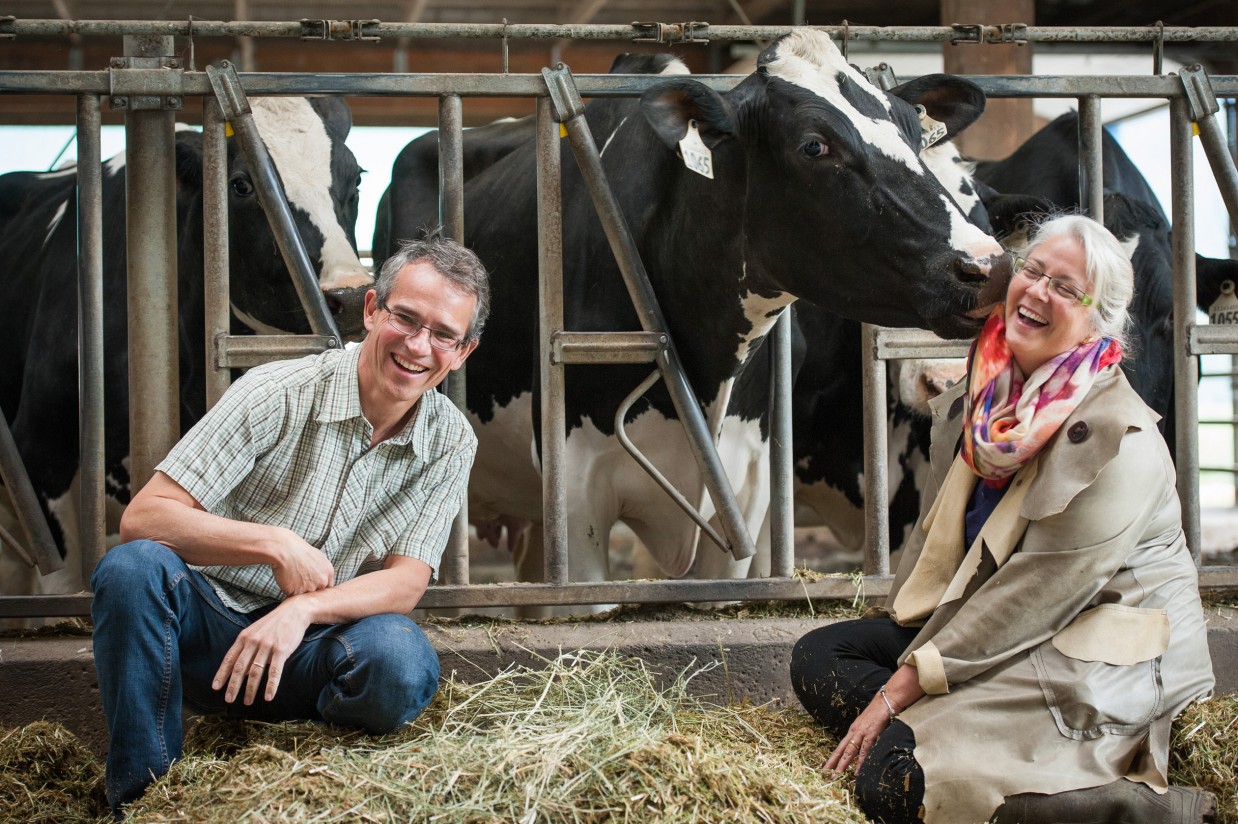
(818,192)
(38,345)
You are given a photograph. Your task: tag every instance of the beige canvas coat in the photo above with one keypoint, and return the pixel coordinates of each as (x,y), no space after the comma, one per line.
(1056,649)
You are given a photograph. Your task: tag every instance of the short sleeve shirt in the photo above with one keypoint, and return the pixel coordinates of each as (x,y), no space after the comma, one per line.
(287,445)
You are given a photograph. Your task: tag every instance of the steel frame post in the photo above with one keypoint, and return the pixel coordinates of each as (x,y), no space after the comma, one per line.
(781,454)
(455,563)
(216,252)
(150,222)
(1186,370)
(550,322)
(92,520)
(876,458)
(1091,162)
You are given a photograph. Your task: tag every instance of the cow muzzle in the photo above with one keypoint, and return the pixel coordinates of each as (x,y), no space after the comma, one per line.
(347,308)
(997,270)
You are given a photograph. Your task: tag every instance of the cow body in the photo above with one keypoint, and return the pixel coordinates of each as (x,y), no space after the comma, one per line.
(38,379)
(818,193)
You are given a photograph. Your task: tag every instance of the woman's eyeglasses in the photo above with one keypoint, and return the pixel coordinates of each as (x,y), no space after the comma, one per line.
(1063,289)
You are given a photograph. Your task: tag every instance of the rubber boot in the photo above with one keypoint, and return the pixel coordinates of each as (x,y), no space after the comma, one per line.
(1122,802)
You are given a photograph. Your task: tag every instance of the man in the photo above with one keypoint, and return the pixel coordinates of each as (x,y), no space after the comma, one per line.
(239,587)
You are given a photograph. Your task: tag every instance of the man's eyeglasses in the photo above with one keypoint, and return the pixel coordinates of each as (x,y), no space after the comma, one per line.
(1064,290)
(444,341)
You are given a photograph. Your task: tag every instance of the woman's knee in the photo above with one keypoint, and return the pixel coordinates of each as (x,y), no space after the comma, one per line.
(890,785)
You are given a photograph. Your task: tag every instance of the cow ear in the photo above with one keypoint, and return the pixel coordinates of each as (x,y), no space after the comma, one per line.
(951,100)
(189,159)
(1011,216)
(671,105)
(334,113)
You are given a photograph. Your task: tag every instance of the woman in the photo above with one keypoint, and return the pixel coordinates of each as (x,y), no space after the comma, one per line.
(1044,626)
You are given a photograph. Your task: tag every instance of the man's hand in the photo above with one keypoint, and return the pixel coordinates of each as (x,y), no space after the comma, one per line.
(262,647)
(300,567)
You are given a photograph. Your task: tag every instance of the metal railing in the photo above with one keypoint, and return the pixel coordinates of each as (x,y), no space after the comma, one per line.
(1189,97)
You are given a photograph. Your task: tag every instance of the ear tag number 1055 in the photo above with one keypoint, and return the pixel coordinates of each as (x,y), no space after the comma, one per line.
(696,155)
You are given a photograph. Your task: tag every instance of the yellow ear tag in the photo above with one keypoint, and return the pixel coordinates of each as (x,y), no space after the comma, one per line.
(562,130)
(228,129)
(1194,130)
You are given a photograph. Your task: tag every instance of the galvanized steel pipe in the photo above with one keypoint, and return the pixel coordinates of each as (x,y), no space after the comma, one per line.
(781,455)
(150,220)
(876,457)
(1186,381)
(455,562)
(216,253)
(1091,167)
(92,524)
(550,321)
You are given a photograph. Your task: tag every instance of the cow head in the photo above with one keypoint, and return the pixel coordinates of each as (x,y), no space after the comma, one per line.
(305,139)
(840,209)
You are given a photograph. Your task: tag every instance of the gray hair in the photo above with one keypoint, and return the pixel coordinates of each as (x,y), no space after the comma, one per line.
(1108,268)
(459,266)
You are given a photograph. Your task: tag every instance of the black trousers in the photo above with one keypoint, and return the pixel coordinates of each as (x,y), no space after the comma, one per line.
(836,670)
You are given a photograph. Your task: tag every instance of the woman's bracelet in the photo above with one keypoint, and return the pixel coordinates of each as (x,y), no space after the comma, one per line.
(889,704)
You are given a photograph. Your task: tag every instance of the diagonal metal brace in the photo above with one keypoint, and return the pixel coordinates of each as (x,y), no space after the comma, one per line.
(568,111)
(236,111)
(1203,108)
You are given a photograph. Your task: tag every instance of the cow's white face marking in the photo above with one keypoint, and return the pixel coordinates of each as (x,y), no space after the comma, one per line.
(55,221)
(810,60)
(300,147)
(955,174)
(761,312)
(965,235)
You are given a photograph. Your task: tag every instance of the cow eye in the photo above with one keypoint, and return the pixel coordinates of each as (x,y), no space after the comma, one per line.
(815,148)
(359,179)
(242,186)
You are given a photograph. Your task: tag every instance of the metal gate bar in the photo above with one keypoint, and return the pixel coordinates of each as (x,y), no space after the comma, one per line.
(92,526)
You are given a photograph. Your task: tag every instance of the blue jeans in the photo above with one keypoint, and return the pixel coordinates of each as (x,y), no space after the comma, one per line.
(161,633)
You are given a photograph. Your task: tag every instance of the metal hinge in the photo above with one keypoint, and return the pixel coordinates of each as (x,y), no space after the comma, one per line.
(671,32)
(967,33)
(340,30)
(1007,33)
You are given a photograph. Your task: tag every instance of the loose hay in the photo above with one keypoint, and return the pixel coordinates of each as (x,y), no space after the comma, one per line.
(47,776)
(1203,752)
(589,738)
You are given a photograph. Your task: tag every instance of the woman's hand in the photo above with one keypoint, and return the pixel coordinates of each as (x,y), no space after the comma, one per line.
(863,733)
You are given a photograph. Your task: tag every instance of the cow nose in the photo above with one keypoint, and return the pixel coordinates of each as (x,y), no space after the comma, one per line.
(998,268)
(346,306)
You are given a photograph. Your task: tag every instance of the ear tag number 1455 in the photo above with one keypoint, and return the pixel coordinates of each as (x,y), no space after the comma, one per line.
(696,155)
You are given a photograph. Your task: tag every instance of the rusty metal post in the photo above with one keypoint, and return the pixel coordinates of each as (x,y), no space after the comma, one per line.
(150,224)
(1091,165)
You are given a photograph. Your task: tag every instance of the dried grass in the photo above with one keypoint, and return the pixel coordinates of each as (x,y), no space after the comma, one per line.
(589,738)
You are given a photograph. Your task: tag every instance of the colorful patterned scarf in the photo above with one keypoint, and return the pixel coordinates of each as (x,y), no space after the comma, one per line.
(1009,416)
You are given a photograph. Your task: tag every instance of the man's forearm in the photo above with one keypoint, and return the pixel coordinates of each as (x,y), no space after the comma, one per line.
(200,537)
(393,590)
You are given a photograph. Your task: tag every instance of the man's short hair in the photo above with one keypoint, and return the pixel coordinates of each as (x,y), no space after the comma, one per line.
(459,266)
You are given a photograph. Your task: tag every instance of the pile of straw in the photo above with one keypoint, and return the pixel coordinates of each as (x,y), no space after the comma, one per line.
(591,737)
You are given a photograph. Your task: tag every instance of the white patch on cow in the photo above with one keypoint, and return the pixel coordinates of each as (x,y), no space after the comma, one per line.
(612,136)
(967,236)
(1130,245)
(297,140)
(62,171)
(115,164)
(675,66)
(505,478)
(916,381)
(762,312)
(255,324)
(810,60)
(55,221)
(955,174)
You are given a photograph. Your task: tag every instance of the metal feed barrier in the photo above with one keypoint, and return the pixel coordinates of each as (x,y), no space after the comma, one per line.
(150,86)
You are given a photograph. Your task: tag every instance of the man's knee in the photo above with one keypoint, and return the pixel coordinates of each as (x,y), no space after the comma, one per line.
(393,674)
(128,564)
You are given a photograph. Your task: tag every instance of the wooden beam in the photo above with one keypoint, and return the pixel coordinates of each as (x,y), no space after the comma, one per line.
(1005,124)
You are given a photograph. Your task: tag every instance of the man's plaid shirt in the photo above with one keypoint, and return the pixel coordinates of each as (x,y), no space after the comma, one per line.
(288,445)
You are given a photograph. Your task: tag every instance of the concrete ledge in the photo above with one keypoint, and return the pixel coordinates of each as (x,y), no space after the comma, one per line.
(53,678)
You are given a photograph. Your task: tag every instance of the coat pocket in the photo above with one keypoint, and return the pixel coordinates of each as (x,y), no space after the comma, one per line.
(1101,675)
